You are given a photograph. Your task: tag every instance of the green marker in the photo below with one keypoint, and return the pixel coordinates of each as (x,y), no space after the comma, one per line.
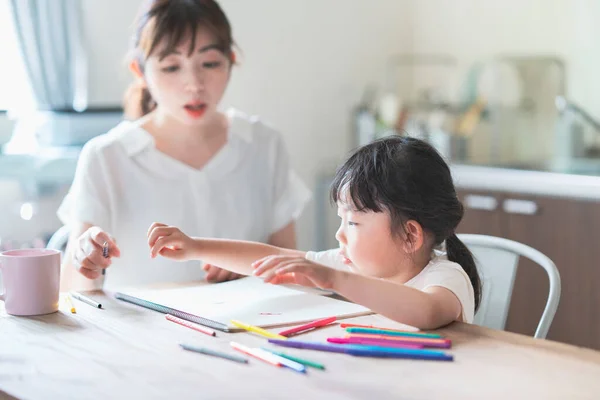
(298,360)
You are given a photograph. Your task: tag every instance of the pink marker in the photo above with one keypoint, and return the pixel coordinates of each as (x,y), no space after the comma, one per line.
(367,342)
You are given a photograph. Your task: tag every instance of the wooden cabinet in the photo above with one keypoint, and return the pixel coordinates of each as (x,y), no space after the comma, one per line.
(566,231)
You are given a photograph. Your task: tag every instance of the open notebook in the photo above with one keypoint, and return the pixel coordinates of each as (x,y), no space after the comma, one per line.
(249,300)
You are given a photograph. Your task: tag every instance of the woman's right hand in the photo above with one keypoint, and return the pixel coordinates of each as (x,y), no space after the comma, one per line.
(88,258)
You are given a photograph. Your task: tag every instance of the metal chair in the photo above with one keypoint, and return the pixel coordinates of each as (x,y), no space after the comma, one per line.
(58,240)
(497,260)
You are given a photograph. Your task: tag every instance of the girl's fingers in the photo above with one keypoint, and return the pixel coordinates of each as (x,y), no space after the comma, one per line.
(154,225)
(163,242)
(159,232)
(283,279)
(170,253)
(269,263)
(272,273)
(259,262)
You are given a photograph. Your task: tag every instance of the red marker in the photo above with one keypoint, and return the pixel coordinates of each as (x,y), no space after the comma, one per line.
(306,327)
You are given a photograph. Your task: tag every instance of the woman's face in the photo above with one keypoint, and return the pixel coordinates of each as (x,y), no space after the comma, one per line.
(188,86)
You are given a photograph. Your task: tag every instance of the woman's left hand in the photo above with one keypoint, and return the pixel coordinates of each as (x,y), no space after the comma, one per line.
(215,274)
(296,270)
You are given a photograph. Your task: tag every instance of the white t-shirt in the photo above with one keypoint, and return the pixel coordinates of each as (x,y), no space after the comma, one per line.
(123,184)
(438,272)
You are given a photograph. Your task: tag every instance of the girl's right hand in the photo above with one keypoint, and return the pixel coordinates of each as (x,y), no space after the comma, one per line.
(88,258)
(170,242)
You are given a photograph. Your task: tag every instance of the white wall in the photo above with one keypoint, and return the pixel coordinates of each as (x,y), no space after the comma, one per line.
(304,65)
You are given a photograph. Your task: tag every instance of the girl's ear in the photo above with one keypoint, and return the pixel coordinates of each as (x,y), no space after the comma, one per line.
(136,70)
(414,236)
(233,57)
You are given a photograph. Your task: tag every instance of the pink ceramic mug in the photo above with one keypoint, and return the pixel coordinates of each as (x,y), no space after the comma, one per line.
(31,279)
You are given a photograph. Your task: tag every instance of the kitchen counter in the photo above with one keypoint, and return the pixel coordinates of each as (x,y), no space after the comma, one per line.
(52,165)
(543,183)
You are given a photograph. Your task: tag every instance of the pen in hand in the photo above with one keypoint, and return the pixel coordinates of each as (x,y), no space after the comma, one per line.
(105,255)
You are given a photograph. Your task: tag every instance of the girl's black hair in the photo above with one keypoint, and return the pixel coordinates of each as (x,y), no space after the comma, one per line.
(408,178)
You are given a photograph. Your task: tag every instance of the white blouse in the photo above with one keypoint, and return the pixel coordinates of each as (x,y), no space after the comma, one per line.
(123,184)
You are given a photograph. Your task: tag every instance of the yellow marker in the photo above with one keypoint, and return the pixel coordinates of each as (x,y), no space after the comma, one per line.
(257,330)
(70,303)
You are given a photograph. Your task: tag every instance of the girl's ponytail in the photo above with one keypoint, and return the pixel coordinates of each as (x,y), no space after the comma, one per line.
(459,253)
(137,102)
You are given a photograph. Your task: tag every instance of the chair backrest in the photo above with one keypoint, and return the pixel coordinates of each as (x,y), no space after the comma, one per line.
(497,260)
(58,240)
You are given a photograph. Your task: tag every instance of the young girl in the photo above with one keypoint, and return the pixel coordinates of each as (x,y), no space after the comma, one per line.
(397,204)
(213,173)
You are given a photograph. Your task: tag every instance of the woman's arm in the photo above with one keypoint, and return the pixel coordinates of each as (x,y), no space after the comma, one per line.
(285,237)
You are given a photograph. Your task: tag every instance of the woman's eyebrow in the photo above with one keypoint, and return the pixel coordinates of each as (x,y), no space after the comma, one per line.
(201,50)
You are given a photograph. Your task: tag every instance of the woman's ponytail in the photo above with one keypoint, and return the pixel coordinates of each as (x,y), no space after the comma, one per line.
(137,102)
(459,253)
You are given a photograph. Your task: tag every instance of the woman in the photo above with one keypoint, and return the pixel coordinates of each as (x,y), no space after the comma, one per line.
(217,174)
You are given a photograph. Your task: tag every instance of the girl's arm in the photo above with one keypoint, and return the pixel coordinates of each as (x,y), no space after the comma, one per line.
(236,255)
(233,255)
(429,309)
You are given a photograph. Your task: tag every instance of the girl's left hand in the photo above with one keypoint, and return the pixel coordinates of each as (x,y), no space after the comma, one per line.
(296,270)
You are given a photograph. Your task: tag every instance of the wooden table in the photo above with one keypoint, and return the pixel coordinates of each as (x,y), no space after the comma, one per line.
(125,351)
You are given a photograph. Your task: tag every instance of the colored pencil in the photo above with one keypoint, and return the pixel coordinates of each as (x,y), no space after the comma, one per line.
(196,327)
(214,353)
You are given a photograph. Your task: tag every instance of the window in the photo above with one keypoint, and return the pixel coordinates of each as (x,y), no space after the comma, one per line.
(15,92)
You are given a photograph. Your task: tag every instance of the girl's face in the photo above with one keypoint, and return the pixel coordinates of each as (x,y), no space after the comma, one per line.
(188,87)
(367,244)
